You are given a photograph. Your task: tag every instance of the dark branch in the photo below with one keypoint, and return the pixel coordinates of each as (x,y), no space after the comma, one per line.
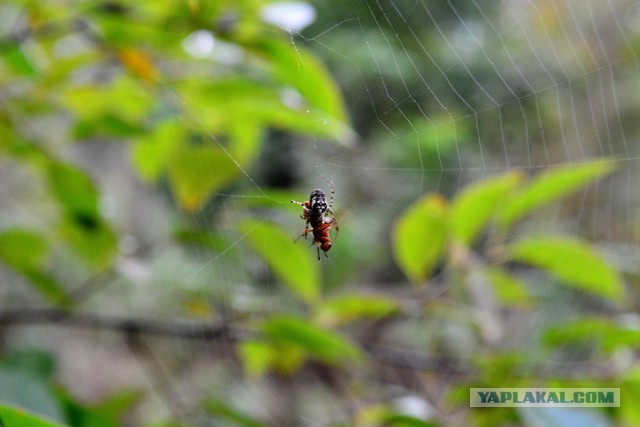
(199,331)
(386,356)
(204,332)
(416,361)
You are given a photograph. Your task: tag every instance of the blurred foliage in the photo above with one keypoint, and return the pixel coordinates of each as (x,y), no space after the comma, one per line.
(459,281)
(17,417)
(423,230)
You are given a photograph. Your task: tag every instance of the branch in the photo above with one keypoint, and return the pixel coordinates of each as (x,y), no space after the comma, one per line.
(204,332)
(387,356)
(190,330)
(416,361)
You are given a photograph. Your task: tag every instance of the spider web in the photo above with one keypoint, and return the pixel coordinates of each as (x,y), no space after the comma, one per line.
(474,88)
(460,91)
(441,94)
(454,92)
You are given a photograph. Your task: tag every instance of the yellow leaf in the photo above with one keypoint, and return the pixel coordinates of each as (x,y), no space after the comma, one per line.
(139,63)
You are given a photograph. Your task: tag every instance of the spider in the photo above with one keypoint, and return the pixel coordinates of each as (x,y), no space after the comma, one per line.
(319,215)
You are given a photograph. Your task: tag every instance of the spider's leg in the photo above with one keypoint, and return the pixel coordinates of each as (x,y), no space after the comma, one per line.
(331,199)
(304,234)
(307,230)
(305,212)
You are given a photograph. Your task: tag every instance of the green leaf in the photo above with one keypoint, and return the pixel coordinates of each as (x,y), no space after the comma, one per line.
(48,287)
(152,152)
(324,345)
(16,417)
(347,308)
(572,261)
(26,252)
(223,411)
(401,420)
(83,228)
(102,414)
(237,103)
(23,249)
(292,263)
(93,240)
(109,412)
(16,59)
(419,237)
(509,290)
(106,125)
(629,384)
(296,67)
(604,333)
(257,357)
(550,186)
(245,135)
(117,404)
(197,172)
(75,191)
(224,101)
(121,101)
(478,203)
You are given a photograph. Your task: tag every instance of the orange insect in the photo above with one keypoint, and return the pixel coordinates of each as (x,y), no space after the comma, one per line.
(320,219)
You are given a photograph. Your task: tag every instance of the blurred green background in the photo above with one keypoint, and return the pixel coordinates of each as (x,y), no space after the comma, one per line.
(484,158)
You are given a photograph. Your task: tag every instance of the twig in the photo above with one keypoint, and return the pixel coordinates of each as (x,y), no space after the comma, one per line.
(203,332)
(402,359)
(199,331)
(416,361)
